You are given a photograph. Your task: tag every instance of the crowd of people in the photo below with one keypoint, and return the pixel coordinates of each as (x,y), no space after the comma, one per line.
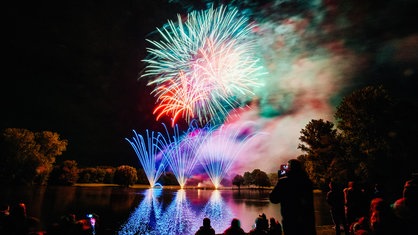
(353,211)
(14,220)
(357,212)
(262,226)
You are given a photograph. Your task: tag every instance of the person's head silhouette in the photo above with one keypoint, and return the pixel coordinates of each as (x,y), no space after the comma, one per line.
(206,222)
(235,223)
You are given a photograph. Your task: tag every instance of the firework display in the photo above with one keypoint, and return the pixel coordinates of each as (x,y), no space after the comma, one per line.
(204,66)
(146,149)
(276,63)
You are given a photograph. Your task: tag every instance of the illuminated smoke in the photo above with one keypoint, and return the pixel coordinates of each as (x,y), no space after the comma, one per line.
(314,52)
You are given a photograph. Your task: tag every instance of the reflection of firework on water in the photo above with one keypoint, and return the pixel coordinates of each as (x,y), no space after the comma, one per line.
(178,217)
(146,151)
(141,220)
(205,66)
(221,147)
(218,211)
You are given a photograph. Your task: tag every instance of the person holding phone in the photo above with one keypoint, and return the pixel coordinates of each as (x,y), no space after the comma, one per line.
(294,192)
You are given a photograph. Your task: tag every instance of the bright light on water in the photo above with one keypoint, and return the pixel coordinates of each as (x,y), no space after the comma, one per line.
(143,219)
(178,218)
(218,211)
(184,214)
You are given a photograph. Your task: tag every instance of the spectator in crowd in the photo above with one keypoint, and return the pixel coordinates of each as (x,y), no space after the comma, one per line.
(264,223)
(70,225)
(382,220)
(259,228)
(275,227)
(335,199)
(206,229)
(406,208)
(360,227)
(356,204)
(4,217)
(20,223)
(235,228)
(294,192)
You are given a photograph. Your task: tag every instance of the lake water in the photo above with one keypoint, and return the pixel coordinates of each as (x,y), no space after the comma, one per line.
(152,211)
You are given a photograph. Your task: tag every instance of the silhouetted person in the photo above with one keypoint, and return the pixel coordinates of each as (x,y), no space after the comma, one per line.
(406,208)
(355,203)
(69,225)
(294,192)
(20,223)
(275,227)
(382,219)
(4,218)
(379,221)
(335,199)
(264,223)
(235,228)
(206,229)
(360,227)
(259,227)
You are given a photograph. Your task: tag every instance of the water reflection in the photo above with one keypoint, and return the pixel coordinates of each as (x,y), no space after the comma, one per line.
(151,211)
(218,211)
(144,217)
(179,217)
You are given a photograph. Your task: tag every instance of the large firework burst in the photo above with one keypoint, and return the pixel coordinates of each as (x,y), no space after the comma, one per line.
(204,66)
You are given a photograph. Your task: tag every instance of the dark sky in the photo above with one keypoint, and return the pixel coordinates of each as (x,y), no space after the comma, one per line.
(72,67)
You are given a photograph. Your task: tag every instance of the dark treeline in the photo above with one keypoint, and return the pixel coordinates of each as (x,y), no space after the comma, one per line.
(372,141)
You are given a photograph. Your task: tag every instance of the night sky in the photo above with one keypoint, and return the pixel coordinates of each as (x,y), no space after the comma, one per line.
(72,67)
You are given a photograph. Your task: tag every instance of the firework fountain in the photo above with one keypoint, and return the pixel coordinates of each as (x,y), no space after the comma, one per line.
(201,69)
(220,147)
(212,63)
(146,149)
(179,153)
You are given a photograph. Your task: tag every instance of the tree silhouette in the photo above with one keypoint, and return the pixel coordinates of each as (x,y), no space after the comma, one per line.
(238,180)
(28,157)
